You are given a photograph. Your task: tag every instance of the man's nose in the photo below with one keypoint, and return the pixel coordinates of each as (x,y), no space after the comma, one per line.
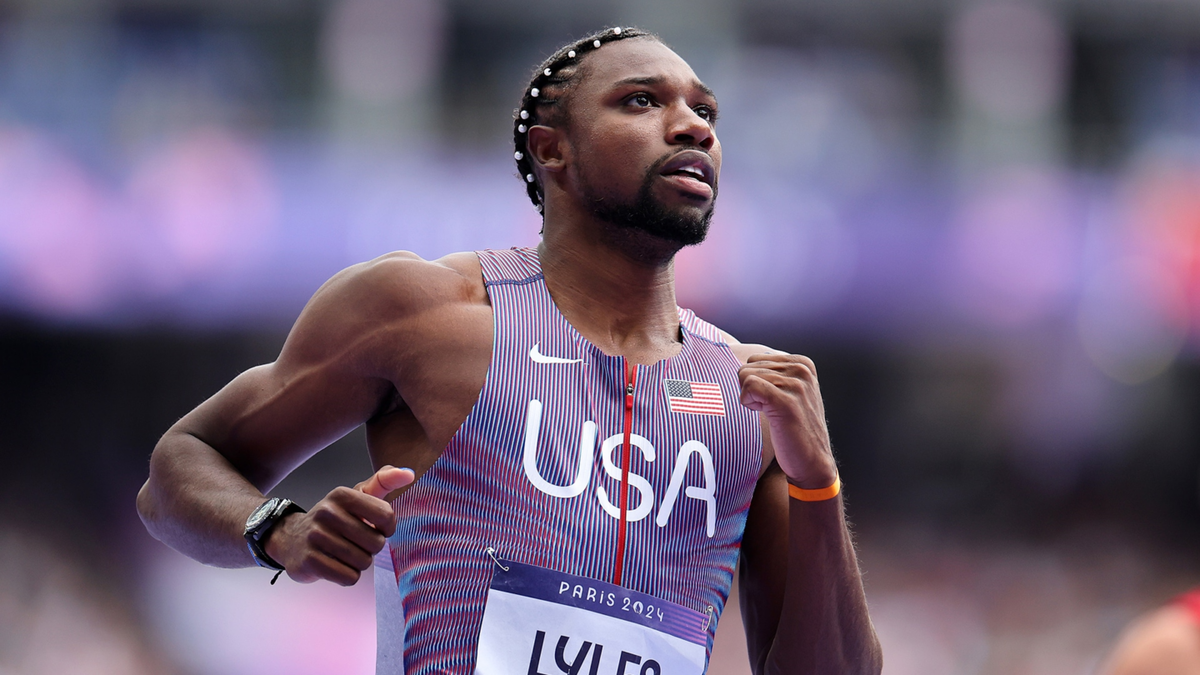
(689,128)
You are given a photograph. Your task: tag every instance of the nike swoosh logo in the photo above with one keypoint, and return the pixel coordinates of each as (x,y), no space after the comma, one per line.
(538,357)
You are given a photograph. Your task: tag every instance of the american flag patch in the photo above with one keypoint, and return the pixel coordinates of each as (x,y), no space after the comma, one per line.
(701,398)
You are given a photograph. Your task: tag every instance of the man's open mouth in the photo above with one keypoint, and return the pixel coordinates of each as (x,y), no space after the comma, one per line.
(693,171)
(693,164)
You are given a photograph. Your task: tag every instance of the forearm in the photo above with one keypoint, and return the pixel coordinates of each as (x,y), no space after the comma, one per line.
(804,605)
(823,625)
(196,502)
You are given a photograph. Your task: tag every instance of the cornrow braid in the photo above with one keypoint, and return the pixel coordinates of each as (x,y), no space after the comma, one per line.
(547,89)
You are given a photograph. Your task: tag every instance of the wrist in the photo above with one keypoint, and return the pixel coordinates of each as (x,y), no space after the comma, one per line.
(260,525)
(275,542)
(817,477)
(819,495)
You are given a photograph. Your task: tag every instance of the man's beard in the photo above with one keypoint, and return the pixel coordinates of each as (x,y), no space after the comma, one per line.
(646,214)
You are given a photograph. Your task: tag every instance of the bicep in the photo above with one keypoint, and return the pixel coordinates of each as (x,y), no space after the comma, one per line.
(763,569)
(327,380)
(271,418)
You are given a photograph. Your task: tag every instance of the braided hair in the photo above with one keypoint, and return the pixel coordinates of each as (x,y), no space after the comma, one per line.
(546,95)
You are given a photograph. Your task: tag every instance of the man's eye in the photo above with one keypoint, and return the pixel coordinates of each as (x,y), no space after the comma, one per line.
(641,100)
(706,113)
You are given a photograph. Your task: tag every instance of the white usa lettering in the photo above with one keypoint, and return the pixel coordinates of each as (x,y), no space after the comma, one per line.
(641,484)
(587,441)
(587,444)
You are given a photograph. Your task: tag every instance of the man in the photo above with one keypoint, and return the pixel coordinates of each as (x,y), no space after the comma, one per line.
(499,376)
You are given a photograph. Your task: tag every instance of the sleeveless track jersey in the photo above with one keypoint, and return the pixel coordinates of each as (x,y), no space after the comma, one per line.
(535,472)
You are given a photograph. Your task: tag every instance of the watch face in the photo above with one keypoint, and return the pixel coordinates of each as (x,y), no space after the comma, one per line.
(260,514)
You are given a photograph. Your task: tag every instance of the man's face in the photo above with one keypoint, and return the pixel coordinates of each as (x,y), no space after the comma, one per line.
(646,154)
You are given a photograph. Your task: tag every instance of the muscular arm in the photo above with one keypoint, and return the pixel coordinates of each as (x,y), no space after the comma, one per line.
(802,597)
(210,470)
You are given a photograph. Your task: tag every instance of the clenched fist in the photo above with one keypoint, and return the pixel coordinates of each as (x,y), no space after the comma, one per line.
(339,537)
(783,387)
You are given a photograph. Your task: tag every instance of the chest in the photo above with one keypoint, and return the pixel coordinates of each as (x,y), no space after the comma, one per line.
(437,363)
(565,421)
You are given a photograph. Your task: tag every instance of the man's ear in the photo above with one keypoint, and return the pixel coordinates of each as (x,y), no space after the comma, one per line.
(547,147)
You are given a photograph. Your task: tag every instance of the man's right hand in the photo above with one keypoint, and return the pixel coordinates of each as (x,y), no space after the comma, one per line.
(339,537)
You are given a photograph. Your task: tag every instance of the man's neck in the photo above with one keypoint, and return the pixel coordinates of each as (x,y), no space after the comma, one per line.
(622,304)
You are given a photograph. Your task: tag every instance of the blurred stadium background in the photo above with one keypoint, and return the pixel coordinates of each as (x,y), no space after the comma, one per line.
(982,219)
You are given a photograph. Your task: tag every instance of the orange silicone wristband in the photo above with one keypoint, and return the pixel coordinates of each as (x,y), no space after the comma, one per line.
(797,492)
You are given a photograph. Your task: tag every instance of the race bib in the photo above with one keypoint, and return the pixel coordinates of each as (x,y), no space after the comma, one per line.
(541,622)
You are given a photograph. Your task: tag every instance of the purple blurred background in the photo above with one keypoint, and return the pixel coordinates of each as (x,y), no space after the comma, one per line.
(981,219)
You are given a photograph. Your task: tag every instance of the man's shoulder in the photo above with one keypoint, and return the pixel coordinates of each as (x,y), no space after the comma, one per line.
(742,350)
(396,291)
(402,280)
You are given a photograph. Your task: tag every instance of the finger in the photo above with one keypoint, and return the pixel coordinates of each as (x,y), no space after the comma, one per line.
(782,358)
(768,354)
(769,389)
(375,511)
(340,549)
(755,392)
(785,378)
(386,480)
(789,376)
(746,372)
(784,387)
(321,566)
(353,528)
(794,367)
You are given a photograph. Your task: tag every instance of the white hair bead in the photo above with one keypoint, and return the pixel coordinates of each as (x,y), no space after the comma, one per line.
(528,178)
(524,114)
(617,30)
(596,44)
(518,155)
(541,209)
(521,128)
(534,92)
(571,54)
(547,72)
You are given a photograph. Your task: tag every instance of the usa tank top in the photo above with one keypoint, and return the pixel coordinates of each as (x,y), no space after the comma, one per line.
(535,473)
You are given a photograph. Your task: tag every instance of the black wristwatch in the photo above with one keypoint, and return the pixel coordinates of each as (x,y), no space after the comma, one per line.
(259,525)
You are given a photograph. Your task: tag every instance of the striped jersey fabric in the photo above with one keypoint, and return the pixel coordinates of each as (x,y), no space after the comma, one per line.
(535,471)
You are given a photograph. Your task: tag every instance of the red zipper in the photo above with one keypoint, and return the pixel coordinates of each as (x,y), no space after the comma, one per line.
(626,452)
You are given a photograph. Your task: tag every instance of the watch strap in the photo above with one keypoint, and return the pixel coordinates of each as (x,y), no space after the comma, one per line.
(261,558)
(256,537)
